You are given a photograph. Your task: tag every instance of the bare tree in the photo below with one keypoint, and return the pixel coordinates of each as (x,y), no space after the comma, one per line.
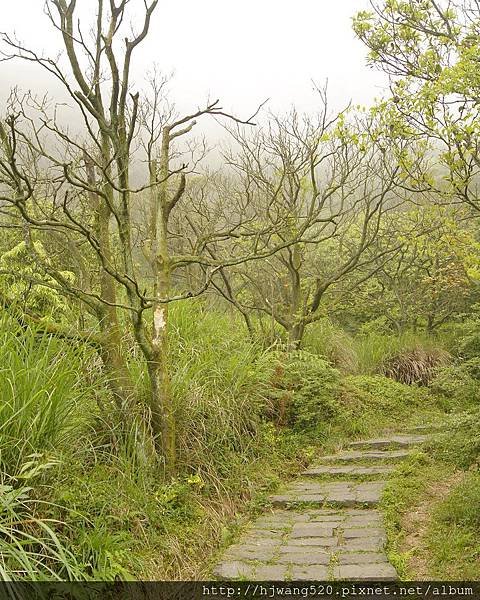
(79,187)
(324,182)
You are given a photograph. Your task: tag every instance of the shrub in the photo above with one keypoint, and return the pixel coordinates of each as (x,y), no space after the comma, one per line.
(456,384)
(468,340)
(460,445)
(472,366)
(417,366)
(377,394)
(303,389)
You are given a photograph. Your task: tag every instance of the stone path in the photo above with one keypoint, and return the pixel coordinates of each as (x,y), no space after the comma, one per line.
(324,526)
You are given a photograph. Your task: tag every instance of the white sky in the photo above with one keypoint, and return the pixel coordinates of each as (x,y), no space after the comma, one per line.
(239,51)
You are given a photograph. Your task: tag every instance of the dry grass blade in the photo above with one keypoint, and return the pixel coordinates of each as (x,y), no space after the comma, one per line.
(415,366)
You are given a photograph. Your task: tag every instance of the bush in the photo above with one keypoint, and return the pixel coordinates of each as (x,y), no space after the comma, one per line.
(460,445)
(456,384)
(472,366)
(303,389)
(468,340)
(377,394)
(417,366)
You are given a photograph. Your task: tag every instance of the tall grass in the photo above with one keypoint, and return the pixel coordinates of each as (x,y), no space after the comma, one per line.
(335,344)
(29,546)
(374,348)
(219,377)
(43,394)
(45,404)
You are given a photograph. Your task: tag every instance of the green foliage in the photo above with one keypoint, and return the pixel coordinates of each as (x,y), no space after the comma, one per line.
(219,383)
(30,547)
(383,398)
(46,400)
(326,339)
(418,288)
(460,444)
(402,492)
(456,384)
(30,284)
(468,337)
(460,508)
(304,389)
(116,515)
(453,532)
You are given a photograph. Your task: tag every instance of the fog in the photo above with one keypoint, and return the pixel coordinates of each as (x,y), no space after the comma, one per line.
(242,52)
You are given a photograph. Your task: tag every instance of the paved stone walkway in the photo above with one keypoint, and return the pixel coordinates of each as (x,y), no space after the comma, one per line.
(324,526)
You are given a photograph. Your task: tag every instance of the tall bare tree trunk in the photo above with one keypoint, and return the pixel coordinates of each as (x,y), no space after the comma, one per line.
(161,404)
(112,354)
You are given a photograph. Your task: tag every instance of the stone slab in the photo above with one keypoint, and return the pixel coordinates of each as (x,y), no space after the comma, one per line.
(325,542)
(249,552)
(291,548)
(233,570)
(301,530)
(366,521)
(363,532)
(347,494)
(366,455)
(394,441)
(311,573)
(360,558)
(270,573)
(364,544)
(353,471)
(371,572)
(303,558)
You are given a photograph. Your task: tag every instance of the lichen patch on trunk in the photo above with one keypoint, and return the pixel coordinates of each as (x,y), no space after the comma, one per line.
(159,322)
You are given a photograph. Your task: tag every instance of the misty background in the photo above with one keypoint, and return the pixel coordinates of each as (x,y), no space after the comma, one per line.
(242,53)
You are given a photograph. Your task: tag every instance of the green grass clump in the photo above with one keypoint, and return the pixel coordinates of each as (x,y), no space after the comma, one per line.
(460,444)
(374,348)
(330,341)
(458,385)
(461,507)
(46,402)
(30,546)
(405,490)
(382,401)
(454,532)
